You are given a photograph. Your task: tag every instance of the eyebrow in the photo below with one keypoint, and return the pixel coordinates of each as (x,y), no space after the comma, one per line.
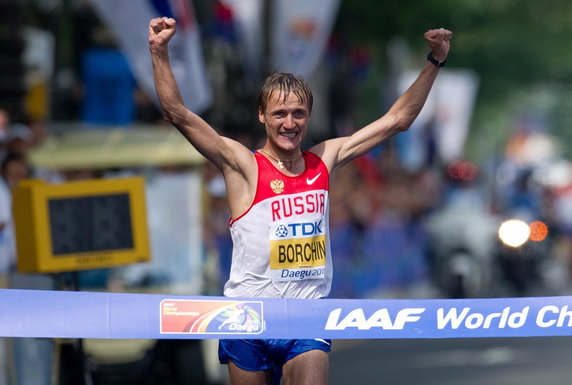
(284,109)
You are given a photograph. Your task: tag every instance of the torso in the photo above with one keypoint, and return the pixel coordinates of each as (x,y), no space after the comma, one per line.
(281,246)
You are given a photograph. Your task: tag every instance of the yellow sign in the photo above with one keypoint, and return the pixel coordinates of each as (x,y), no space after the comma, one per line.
(298,253)
(80,225)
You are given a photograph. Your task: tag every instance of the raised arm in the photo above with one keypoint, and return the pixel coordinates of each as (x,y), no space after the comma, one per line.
(400,116)
(234,160)
(198,132)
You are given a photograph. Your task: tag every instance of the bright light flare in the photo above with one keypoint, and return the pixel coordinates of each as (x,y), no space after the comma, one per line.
(538,231)
(514,232)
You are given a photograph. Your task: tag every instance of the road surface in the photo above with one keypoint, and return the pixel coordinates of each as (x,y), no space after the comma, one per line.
(487,361)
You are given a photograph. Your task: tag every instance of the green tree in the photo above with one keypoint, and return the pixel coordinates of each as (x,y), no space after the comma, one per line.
(513,45)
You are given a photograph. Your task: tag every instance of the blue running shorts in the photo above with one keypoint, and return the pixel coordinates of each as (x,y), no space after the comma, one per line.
(255,355)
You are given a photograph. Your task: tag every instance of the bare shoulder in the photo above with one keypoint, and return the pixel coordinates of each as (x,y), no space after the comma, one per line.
(329,151)
(240,174)
(238,157)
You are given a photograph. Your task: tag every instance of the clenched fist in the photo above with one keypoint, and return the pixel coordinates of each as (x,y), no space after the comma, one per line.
(438,40)
(161,30)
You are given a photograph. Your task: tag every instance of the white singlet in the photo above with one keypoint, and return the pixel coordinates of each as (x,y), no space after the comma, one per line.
(280,244)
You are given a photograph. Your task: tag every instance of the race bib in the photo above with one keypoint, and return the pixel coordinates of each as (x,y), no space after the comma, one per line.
(298,250)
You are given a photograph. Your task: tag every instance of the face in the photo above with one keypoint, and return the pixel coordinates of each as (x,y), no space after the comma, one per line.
(15,171)
(286,121)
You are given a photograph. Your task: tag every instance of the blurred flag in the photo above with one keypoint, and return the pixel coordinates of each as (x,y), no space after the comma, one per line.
(300,31)
(248,16)
(129,20)
(445,119)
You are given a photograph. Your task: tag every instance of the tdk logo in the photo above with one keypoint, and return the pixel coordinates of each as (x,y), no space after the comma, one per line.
(381,319)
(305,229)
(281,231)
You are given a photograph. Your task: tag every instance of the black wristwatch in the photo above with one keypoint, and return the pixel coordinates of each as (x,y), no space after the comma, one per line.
(435,61)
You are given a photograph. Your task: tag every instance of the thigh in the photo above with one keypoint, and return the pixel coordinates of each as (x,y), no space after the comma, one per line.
(248,361)
(309,368)
(240,376)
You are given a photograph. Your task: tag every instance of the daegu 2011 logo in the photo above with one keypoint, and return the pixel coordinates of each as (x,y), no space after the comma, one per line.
(211,317)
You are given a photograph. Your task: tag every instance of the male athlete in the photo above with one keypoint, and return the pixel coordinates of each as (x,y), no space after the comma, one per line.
(278,199)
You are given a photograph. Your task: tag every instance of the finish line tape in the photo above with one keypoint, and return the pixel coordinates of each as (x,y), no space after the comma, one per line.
(65,314)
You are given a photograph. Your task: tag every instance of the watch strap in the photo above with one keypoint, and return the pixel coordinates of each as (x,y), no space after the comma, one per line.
(436,62)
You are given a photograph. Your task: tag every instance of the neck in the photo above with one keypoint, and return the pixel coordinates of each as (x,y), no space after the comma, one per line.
(280,161)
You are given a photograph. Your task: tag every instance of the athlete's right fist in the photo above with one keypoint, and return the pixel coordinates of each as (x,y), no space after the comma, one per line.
(161,30)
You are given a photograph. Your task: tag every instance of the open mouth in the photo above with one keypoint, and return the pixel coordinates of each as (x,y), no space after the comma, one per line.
(289,135)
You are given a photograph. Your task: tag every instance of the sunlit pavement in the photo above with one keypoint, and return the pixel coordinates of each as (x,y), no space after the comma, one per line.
(518,361)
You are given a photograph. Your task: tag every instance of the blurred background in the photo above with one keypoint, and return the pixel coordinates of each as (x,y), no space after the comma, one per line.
(475,200)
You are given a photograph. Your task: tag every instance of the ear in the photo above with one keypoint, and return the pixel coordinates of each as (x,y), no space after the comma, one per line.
(261,117)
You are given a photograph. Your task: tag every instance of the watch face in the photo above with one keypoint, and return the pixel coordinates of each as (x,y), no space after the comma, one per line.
(90,224)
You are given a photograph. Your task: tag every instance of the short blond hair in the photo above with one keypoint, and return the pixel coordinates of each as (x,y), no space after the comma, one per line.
(285,83)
